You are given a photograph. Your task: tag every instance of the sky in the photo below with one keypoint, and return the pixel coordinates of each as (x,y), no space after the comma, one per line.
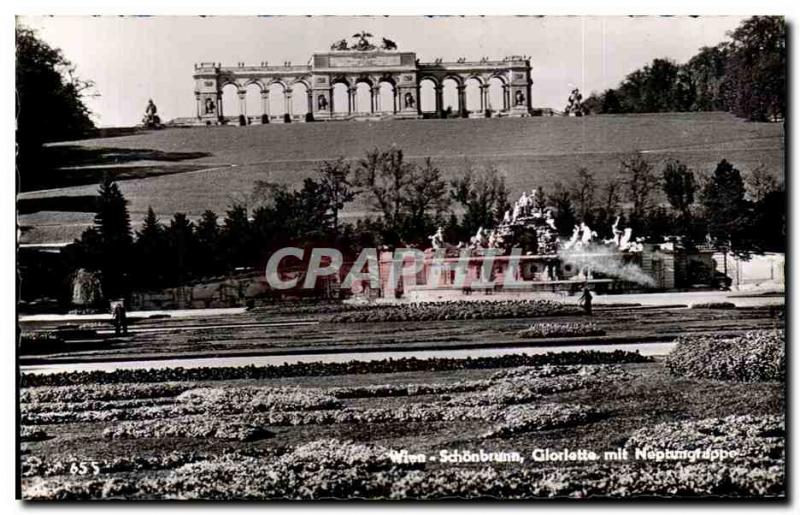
(133,59)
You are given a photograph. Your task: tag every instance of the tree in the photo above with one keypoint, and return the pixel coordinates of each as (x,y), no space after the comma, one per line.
(106,247)
(208,244)
(726,210)
(50,103)
(386,176)
(679,186)
(706,73)
(150,251)
(760,183)
(608,209)
(483,196)
(565,212)
(640,182)
(756,69)
(182,249)
(410,198)
(582,192)
(426,200)
(336,184)
(237,238)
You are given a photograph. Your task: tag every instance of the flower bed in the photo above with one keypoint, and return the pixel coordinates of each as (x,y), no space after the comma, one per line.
(256,399)
(753,438)
(526,388)
(456,310)
(32,434)
(325,469)
(524,419)
(34,466)
(754,356)
(89,392)
(555,330)
(328,369)
(188,427)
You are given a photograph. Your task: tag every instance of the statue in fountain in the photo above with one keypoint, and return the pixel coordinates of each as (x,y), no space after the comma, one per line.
(479,240)
(517,214)
(587,234)
(624,242)
(576,234)
(549,220)
(496,240)
(437,239)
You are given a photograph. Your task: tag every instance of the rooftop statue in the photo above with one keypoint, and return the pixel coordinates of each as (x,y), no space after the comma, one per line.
(363,43)
(340,45)
(388,44)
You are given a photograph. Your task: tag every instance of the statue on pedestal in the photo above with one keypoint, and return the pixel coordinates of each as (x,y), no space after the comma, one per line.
(151,119)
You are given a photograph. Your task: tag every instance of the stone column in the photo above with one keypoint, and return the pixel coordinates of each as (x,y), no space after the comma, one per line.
(373,98)
(484,90)
(197,100)
(287,95)
(462,100)
(351,99)
(310,108)
(243,103)
(219,105)
(265,102)
(439,94)
(505,97)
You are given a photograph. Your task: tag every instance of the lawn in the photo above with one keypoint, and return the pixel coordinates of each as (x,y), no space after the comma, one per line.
(530,152)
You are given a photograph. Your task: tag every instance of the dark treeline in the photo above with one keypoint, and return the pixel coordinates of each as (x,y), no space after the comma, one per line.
(745,75)
(410,200)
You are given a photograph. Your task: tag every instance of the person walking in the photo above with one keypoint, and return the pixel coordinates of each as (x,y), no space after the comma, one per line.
(586,300)
(120,319)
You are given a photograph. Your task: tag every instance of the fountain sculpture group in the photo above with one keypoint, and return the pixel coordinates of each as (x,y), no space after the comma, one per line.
(530,216)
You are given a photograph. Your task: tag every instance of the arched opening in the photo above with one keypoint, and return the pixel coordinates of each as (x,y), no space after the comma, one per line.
(427,96)
(277,103)
(252,102)
(230,101)
(363,98)
(473,94)
(299,99)
(450,95)
(386,97)
(496,95)
(340,102)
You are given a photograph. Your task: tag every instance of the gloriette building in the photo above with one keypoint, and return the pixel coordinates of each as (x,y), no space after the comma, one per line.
(364,82)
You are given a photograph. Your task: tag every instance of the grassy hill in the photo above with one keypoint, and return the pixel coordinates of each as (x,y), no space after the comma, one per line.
(220,164)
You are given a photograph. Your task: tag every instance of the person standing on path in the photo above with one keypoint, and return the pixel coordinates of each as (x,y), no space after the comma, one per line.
(586,300)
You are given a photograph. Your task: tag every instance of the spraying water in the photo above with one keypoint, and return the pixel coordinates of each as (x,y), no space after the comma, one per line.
(607,261)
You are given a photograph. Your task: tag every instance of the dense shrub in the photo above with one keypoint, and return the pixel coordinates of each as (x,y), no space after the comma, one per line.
(714,305)
(318,368)
(753,356)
